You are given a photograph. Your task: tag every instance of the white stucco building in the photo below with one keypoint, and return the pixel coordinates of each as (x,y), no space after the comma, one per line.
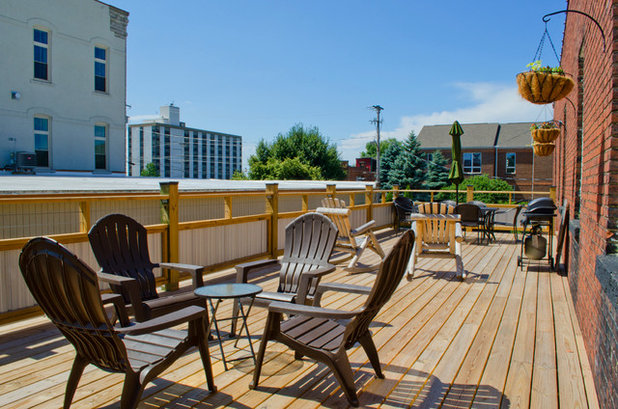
(63,84)
(178,151)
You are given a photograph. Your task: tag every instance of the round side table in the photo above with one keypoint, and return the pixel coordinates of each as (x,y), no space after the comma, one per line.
(234,291)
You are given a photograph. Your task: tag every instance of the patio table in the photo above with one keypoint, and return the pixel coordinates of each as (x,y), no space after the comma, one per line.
(234,291)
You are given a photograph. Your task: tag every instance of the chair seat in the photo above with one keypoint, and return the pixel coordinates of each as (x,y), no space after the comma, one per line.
(267,297)
(151,349)
(316,333)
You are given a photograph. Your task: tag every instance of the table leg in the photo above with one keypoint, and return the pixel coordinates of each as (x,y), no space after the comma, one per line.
(244,316)
(214,309)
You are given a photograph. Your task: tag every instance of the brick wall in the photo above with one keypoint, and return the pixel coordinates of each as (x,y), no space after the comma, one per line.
(585,165)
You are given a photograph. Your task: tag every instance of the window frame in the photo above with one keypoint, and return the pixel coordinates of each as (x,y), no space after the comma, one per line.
(507,171)
(105,140)
(42,132)
(45,46)
(472,169)
(103,61)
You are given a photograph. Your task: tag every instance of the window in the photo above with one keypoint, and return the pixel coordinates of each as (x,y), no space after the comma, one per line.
(41,55)
(100,69)
(472,162)
(129,151)
(167,151)
(429,157)
(187,151)
(204,161)
(141,148)
(195,155)
(41,141)
(510,163)
(100,140)
(156,148)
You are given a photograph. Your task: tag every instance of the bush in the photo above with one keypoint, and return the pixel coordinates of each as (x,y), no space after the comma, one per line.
(480,182)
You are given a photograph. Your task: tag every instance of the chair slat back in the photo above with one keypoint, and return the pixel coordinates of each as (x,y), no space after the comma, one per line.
(120,245)
(333,202)
(388,278)
(341,218)
(309,242)
(67,291)
(436,230)
(469,212)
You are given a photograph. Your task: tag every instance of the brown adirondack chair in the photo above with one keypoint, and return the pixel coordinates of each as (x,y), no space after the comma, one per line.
(354,241)
(438,233)
(120,245)
(67,291)
(325,334)
(309,242)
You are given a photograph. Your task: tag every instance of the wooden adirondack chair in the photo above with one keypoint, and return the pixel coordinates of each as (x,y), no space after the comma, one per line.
(120,245)
(67,291)
(309,242)
(353,241)
(438,233)
(325,334)
(333,202)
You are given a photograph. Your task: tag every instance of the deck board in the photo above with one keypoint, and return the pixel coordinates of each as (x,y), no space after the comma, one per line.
(503,337)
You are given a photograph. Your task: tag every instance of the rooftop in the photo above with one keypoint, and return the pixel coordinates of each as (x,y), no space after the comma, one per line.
(504,337)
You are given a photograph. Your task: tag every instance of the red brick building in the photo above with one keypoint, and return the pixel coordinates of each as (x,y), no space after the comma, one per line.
(586,175)
(365,169)
(498,150)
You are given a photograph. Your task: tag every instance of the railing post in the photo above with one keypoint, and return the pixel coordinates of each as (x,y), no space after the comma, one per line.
(383,197)
(431,199)
(470,193)
(395,191)
(84,216)
(169,216)
(305,203)
(510,198)
(552,193)
(272,207)
(228,207)
(331,190)
(369,202)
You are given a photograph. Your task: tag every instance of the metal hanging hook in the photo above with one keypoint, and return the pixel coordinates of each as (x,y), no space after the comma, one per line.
(546,19)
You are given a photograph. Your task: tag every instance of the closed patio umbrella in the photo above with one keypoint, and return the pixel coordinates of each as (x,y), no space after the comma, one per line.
(456,175)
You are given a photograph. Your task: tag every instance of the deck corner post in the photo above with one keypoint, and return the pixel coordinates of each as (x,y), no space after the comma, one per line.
(169,216)
(272,207)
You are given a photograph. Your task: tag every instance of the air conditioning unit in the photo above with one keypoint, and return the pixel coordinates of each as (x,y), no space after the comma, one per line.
(25,161)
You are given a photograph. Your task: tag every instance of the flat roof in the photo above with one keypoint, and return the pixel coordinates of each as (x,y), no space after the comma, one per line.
(32,184)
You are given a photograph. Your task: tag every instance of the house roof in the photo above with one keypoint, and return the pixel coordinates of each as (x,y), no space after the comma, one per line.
(515,134)
(482,135)
(475,136)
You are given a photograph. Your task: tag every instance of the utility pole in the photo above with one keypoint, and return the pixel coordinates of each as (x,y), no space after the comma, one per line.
(377,121)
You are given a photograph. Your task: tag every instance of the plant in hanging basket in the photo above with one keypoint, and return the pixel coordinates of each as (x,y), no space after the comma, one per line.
(544,85)
(543,149)
(545,132)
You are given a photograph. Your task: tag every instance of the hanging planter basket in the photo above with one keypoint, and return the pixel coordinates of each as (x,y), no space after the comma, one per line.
(544,88)
(545,135)
(543,149)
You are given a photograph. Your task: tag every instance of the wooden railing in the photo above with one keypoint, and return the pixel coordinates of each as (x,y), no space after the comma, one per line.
(252,233)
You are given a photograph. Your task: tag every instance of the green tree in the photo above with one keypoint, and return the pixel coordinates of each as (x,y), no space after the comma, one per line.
(315,157)
(408,168)
(437,172)
(479,182)
(150,170)
(371,150)
(387,160)
(239,175)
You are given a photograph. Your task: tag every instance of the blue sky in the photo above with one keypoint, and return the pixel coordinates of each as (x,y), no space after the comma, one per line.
(256,68)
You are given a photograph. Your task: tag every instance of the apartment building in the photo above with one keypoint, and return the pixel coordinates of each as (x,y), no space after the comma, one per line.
(63,87)
(178,151)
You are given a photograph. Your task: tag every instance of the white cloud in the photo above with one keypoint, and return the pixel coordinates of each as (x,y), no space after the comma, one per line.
(490,103)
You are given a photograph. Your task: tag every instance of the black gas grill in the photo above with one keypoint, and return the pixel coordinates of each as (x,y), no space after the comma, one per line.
(538,214)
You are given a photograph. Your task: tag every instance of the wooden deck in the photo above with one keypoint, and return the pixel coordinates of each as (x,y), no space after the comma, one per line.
(503,338)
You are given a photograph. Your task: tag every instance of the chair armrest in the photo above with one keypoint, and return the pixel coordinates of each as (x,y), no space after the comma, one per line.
(130,288)
(165,321)
(305,279)
(308,310)
(348,288)
(196,271)
(243,270)
(119,307)
(458,233)
(363,228)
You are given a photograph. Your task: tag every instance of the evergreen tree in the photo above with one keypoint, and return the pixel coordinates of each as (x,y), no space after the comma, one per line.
(437,172)
(408,169)
(387,160)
